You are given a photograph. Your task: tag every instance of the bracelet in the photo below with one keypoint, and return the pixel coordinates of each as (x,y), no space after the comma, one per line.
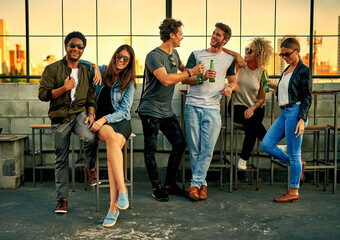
(189,73)
(228,85)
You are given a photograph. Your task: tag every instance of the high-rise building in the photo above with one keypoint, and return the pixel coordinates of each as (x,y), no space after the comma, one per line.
(4,46)
(17,61)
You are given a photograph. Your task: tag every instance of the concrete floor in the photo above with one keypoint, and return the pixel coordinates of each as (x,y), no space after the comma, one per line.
(28,213)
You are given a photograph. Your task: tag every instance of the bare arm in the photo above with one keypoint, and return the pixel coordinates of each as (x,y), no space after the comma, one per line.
(173,78)
(240,63)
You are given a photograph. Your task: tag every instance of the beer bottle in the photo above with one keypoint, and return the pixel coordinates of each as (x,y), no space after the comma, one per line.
(265,82)
(211,67)
(200,77)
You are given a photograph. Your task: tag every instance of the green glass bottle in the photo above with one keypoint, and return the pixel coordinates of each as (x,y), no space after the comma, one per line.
(200,77)
(265,82)
(211,67)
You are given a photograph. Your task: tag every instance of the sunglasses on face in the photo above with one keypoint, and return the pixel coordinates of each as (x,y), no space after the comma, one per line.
(125,58)
(73,45)
(172,61)
(286,54)
(249,50)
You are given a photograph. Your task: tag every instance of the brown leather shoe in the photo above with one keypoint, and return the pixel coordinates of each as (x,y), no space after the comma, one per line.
(91,176)
(287,198)
(302,178)
(193,194)
(203,193)
(61,206)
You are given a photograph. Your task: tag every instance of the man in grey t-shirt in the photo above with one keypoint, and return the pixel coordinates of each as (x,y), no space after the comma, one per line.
(161,66)
(202,108)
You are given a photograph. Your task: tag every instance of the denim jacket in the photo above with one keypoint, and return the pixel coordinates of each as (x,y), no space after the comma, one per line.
(120,100)
(299,89)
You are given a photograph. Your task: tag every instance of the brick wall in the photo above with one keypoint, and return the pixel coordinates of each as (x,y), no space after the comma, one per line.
(21,107)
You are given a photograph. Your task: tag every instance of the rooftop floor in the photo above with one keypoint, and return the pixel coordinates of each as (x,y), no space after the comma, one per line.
(28,213)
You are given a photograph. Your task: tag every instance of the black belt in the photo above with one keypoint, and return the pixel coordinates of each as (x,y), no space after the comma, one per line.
(287,105)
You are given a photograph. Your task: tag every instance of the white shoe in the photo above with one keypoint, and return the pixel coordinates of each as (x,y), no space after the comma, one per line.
(242,164)
(283,148)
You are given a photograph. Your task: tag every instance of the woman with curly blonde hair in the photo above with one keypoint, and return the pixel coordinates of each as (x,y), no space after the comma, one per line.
(249,97)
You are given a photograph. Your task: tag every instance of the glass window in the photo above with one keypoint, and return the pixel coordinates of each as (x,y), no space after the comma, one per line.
(14,13)
(147,16)
(80,15)
(293,17)
(42,56)
(258,17)
(225,11)
(13,55)
(90,52)
(45,17)
(192,13)
(188,45)
(326,55)
(326,16)
(114,17)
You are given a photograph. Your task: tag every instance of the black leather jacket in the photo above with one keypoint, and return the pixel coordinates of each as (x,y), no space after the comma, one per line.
(299,89)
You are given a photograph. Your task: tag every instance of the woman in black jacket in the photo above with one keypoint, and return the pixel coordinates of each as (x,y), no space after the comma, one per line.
(294,97)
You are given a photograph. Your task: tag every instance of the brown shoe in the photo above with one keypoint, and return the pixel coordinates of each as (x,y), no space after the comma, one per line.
(91,176)
(193,194)
(203,193)
(287,198)
(61,206)
(302,178)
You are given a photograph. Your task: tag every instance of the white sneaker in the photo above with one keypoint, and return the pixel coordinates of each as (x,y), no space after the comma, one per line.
(283,148)
(242,164)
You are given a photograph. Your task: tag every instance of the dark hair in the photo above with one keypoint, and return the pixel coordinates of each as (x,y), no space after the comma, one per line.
(225,28)
(291,43)
(75,34)
(168,26)
(126,76)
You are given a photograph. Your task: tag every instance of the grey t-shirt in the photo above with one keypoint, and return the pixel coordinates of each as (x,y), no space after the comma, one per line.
(157,98)
(207,95)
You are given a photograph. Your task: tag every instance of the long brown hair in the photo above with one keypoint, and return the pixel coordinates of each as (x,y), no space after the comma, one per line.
(110,75)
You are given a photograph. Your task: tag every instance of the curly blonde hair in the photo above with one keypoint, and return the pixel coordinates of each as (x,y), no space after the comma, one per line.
(263,50)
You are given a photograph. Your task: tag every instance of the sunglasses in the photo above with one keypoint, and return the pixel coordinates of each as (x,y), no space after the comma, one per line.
(73,45)
(249,50)
(286,54)
(172,61)
(125,58)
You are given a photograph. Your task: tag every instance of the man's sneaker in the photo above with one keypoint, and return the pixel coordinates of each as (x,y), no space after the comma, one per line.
(110,219)
(242,164)
(175,190)
(91,176)
(160,195)
(61,206)
(193,194)
(203,193)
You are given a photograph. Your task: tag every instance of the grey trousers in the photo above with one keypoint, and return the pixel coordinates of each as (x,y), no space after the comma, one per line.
(61,138)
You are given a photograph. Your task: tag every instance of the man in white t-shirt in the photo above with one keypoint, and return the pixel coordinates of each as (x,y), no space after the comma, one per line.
(202,108)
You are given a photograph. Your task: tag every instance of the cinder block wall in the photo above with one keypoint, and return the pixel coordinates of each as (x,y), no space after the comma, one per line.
(21,107)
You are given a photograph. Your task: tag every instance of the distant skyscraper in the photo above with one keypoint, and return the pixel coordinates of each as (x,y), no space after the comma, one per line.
(339,45)
(4,46)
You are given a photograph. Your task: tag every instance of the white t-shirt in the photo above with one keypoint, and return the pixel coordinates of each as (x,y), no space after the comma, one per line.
(74,74)
(207,95)
(283,89)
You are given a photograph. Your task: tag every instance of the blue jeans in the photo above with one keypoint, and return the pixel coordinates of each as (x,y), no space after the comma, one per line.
(203,126)
(285,126)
